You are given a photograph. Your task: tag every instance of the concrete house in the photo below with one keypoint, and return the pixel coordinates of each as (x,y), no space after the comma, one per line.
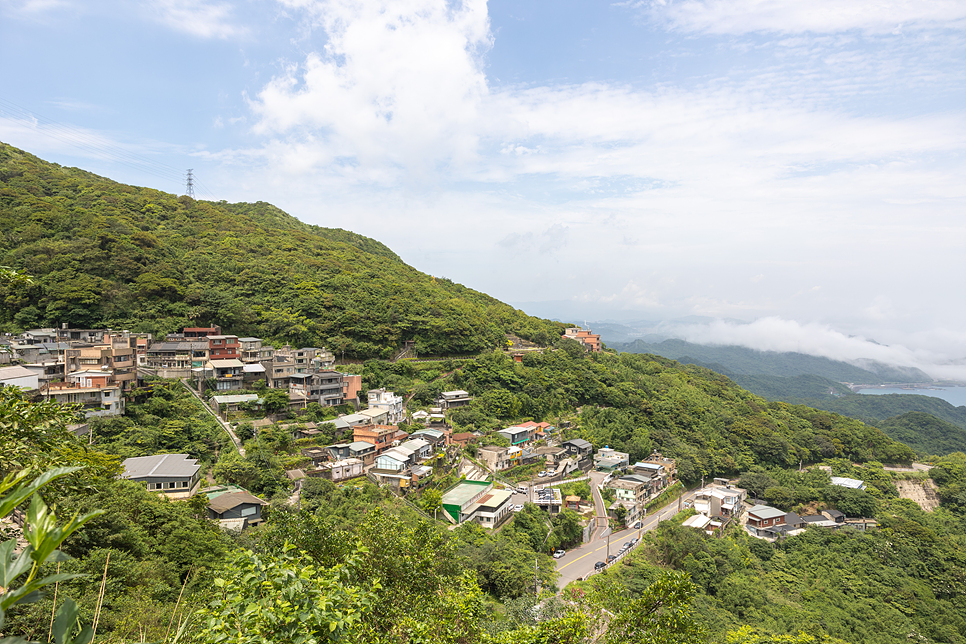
(341,470)
(517,435)
(591,341)
(608,459)
(629,489)
(95,399)
(422,449)
(453,399)
(173,475)
(720,501)
(388,402)
(578,447)
(233,507)
(223,347)
(476,501)
(763,516)
(228,374)
(19,377)
(380,436)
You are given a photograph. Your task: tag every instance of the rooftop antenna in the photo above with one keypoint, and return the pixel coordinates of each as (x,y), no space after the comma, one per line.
(190,184)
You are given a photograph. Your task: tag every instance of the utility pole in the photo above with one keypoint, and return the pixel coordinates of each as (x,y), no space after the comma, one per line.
(535,589)
(190,184)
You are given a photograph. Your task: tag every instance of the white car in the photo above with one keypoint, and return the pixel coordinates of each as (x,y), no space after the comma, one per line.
(517,508)
(542,474)
(558,554)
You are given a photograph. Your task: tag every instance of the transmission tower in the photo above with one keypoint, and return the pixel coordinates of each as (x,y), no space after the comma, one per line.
(190,181)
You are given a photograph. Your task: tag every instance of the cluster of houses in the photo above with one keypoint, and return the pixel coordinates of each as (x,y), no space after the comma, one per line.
(721,502)
(89,367)
(95,367)
(642,481)
(230,365)
(178,477)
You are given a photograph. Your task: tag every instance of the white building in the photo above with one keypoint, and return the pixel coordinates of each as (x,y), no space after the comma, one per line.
(19,377)
(389,402)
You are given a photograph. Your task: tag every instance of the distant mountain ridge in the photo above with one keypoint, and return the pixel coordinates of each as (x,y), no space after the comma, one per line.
(105,254)
(744,361)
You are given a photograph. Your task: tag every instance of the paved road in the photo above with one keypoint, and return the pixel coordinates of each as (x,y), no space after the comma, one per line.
(224,425)
(580,561)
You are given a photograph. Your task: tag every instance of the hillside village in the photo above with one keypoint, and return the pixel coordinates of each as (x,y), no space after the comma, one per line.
(243,379)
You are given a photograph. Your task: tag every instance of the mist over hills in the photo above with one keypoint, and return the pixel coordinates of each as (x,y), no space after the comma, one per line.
(736,360)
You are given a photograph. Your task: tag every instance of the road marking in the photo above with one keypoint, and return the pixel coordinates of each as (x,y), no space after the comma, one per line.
(581,557)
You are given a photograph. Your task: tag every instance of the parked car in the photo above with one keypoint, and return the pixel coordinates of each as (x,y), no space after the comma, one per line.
(610,558)
(542,474)
(599,565)
(633,541)
(558,554)
(522,489)
(517,508)
(637,526)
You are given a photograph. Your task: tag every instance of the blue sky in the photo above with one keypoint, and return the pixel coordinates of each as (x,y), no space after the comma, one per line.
(794,162)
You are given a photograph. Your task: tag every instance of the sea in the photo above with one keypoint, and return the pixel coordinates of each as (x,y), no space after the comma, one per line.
(955,396)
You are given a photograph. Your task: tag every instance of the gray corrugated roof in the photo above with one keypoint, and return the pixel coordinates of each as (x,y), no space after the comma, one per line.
(579,442)
(160,465)
(9,373)
(224,502)
(766,512)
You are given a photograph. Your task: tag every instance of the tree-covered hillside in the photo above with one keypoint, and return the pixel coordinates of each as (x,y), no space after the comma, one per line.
(104,254)
(637,403)
(925,433)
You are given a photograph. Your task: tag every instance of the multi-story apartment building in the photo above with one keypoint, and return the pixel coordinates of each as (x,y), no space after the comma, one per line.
(223,347)
(251,350)
(97,396)
(115,356)
(379,435)
(388,401)
(227,374)
(181,356)
(323,387)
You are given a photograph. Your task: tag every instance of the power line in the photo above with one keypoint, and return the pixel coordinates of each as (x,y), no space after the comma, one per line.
(190,184)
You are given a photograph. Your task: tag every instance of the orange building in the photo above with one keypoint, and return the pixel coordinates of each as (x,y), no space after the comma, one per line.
(381,436)
(591,341)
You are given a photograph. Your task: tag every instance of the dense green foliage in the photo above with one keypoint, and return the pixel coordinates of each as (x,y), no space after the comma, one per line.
(104,254)
(901,583)
(734,360)
(639,403)
(789,389)
(167,421)
(874,409)
(925,433)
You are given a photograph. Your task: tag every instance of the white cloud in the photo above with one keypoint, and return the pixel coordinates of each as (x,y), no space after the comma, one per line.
(778,334)
(199,18)
(398,85)
(795,16)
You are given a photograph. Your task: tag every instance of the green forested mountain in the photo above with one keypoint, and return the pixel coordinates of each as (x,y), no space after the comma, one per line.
(637,403)
(743,361)
(104,254)
(790,389)
(925,433)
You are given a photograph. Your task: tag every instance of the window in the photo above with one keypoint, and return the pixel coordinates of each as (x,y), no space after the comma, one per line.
(247,512)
